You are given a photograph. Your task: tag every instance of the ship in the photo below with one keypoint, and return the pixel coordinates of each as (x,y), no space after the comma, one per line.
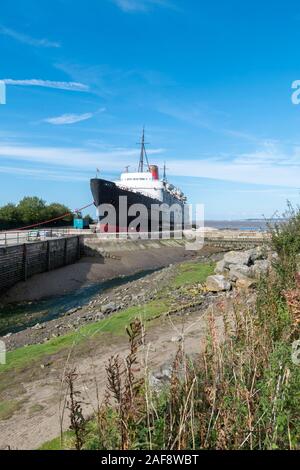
(139,201)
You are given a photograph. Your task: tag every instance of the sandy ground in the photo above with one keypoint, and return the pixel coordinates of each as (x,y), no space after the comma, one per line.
(87,270)
(37,420)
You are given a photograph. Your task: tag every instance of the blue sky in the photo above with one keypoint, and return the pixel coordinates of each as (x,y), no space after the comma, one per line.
(211,81)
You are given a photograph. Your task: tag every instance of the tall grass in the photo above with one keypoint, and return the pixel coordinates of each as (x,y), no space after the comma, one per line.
(242,392)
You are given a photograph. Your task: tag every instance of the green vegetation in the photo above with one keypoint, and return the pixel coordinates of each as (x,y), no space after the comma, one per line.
(32,210)
(116,324)
(8,408)
(192,273)
(36,408)
(56,444)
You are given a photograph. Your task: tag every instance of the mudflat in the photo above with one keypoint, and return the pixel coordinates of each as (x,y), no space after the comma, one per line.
(94,269)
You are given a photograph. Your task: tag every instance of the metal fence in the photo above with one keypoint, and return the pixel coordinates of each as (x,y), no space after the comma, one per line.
(30,236)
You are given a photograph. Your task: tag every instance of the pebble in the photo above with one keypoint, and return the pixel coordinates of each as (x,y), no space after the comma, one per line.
(177,339)
(38,326)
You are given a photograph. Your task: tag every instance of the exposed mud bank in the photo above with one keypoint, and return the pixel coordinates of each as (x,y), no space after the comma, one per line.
(96,269)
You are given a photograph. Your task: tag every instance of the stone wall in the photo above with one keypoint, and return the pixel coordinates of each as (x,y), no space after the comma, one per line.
(18,262)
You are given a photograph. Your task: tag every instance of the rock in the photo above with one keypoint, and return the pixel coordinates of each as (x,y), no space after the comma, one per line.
(220,267)
(237,257)
(72,310)
(99,316)
(165,374)
(239,272)
(260,267)
(45,365)
(108,308)
(257,253)
(245,283)
(217,283)
(8,335)
(177,339)
(38,326)
(155,383)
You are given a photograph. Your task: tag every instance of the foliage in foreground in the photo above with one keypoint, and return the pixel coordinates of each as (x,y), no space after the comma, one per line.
(242,392)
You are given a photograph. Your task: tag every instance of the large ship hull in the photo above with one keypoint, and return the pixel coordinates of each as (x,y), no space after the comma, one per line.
(154,216)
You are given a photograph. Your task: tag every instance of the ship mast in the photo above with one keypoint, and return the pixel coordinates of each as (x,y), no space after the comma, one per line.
(143,154)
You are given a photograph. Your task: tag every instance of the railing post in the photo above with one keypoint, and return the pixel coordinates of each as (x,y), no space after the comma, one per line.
(48,256)
(78,248)
(25,261)
(65,251)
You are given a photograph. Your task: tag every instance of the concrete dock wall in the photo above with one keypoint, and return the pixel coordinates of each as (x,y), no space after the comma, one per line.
(19,262)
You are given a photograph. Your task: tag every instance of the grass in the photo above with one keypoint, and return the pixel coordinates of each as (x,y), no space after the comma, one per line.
(23,357)
(55,444)
(36,408)
(187,273)
(192,273)
(8,408)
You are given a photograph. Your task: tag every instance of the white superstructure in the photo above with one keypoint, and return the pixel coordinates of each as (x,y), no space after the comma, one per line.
(143,183)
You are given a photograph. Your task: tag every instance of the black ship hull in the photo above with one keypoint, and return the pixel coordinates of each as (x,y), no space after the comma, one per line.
(125,211)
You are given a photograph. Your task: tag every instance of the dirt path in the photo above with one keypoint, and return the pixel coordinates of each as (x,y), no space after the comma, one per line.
(37,420)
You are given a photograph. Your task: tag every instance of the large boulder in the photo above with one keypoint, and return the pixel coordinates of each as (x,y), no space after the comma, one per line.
(220,267)
(108,308)
(217,283)
(260,267)
(237,257)
(245,283)
(258,253)
(241,271)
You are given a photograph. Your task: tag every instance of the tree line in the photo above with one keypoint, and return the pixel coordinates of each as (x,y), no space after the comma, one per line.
(32,210)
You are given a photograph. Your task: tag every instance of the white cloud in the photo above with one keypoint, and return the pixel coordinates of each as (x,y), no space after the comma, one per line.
(268,166)
(108,160)
(71,118)
(142,5)
(266,174)
(44,174)
(25,39)
(71,86)
(68,119)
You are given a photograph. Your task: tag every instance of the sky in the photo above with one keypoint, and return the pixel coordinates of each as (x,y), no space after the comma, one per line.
(211,81)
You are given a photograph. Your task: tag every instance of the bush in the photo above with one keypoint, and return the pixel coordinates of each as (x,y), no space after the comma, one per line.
(32,210)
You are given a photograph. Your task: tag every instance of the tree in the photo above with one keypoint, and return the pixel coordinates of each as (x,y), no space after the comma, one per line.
(9,216)
(56,210)
(32,210)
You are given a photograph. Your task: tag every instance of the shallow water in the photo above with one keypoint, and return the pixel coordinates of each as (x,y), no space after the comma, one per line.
(17,317)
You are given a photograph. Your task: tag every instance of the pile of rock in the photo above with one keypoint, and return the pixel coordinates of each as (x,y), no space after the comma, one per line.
(239,269)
